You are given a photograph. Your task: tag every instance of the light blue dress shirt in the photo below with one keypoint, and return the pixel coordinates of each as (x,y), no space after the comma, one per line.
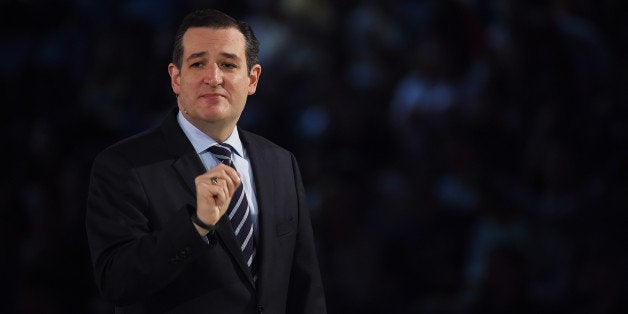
(202,141)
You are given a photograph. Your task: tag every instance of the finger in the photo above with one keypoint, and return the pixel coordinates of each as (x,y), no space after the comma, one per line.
(233,178)
(225,175)
(212,193)
(215,177)
(210,202)
(223,181)
(212,183)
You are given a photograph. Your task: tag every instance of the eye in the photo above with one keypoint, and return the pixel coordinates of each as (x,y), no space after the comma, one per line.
(229,65)
(196,65)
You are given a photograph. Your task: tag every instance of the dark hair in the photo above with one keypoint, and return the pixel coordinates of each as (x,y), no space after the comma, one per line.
(215,19)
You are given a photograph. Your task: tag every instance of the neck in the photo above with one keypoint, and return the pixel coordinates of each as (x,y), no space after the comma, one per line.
(218,131)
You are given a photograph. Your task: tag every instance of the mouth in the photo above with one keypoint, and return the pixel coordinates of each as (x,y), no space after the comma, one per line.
(212,96)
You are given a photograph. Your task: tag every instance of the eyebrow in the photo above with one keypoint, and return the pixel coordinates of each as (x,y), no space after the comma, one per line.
(204,53)
(230,56)
(196,55)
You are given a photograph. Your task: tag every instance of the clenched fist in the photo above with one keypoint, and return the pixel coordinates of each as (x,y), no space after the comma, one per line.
(214,190)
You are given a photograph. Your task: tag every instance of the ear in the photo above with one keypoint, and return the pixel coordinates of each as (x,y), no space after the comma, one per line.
(175,78)
(254,74)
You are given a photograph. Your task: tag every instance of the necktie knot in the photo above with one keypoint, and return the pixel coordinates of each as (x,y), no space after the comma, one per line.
(222,152)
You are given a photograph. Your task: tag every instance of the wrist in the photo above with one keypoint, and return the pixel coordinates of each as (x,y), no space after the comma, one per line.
(197,221)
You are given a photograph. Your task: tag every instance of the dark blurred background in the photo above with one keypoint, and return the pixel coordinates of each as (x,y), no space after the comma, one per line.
(459,156)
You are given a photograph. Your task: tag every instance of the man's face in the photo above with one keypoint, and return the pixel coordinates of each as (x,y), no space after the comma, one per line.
(213,82)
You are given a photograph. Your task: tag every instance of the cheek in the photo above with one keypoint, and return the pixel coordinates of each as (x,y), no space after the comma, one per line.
(243,87)
(189,85)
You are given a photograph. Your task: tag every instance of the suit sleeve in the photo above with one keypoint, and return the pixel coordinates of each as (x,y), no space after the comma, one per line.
(306,293)
(132,258)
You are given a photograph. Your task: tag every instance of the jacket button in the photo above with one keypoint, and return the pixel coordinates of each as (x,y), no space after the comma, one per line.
(185,253)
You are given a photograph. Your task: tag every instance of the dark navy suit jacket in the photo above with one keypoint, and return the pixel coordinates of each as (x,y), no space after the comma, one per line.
(149,258)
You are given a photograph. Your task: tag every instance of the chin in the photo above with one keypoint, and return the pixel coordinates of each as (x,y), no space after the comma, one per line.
(212,118)
(209,111)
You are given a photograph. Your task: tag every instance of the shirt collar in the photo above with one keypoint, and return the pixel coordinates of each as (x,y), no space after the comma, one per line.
(202,141)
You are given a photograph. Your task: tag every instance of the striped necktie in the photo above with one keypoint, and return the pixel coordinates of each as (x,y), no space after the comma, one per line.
(238,211)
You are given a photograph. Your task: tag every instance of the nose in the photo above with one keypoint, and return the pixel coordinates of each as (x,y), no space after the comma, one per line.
(213,76)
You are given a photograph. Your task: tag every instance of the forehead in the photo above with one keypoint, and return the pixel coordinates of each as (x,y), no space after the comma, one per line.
(213,40)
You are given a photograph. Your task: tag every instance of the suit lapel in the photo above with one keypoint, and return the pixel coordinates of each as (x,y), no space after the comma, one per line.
(224,230)
(186,162)
(189,166)
(263,169)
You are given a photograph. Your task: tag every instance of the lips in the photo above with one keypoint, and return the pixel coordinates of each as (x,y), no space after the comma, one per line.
(212,96)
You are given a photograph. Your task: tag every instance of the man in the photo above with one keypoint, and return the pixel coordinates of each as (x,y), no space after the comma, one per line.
(197,215)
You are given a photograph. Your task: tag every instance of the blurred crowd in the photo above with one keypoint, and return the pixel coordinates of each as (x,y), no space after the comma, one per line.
(459,156)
